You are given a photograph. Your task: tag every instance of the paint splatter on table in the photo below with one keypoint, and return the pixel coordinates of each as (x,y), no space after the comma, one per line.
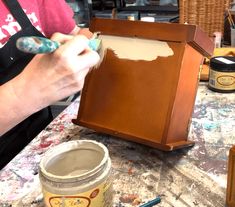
(188,177)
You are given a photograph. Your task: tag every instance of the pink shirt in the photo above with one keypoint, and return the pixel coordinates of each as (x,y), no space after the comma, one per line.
(48,16)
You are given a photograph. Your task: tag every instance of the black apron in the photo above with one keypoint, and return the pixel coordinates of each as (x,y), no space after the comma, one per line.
(12,62)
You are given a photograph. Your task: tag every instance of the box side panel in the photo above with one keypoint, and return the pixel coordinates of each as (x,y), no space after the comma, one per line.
(185,96)
(230,196)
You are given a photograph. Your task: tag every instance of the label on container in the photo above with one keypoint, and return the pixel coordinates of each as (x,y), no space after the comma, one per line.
(99,196)
(222,80)
(224,60)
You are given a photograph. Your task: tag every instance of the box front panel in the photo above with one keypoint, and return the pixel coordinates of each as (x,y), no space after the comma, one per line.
(132,98)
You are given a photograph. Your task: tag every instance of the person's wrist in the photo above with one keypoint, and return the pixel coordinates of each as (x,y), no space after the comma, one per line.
(24,101)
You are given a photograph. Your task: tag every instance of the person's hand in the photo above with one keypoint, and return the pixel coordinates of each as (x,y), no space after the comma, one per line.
(46,79)
(86,32)
(52,77)
(82,31)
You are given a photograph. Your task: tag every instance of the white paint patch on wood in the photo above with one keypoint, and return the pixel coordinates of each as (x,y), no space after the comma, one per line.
(134,48)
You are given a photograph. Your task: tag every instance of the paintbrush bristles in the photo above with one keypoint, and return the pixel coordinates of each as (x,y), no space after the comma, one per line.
(102,52)
(230,19)
(99,48)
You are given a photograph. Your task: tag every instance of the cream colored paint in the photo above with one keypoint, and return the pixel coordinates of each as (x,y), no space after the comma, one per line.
(134,48)
(74,162)
(73,159)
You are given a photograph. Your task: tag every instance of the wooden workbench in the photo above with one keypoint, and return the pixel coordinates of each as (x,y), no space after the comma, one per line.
(195,176)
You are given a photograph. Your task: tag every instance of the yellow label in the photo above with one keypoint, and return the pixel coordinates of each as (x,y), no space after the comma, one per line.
(100,196)
(222,80)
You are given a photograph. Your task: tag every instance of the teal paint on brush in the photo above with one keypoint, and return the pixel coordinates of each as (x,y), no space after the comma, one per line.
(94,44)
(152,202)
(37,45)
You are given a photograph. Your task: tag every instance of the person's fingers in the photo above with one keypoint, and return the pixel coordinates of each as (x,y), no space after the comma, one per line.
(74,46)
(74,53)
(61,38)
(86,32)
(81,75)
(88,59)
(74,81)
(79,43)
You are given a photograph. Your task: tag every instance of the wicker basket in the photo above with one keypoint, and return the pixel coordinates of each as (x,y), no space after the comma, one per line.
(208,14)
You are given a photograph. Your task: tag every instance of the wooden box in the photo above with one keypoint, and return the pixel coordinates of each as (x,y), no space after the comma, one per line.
(230,196)
(146,101)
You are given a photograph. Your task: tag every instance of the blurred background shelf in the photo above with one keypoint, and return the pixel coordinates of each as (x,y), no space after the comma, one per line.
(160,10)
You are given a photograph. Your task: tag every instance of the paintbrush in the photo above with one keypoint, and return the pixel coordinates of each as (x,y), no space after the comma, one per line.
(230,19)
(152,202)
(37,45)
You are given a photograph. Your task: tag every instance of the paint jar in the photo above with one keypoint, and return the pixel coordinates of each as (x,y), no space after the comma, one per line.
(222,74)
(76,173)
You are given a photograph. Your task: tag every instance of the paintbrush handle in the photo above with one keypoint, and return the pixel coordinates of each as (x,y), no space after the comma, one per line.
(37,45)
(152,202)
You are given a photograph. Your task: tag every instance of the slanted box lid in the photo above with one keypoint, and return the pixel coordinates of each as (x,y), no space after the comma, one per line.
(191,34)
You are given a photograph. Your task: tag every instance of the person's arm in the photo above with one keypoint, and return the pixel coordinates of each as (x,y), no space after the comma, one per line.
(46,79)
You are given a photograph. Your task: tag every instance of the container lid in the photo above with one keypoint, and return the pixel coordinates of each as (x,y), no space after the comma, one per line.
(223,63)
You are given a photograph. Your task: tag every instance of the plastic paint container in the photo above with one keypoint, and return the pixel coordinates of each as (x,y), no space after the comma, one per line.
(222,74)
(76,173)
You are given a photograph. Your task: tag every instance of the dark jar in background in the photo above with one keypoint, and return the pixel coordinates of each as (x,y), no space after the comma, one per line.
(222,74)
